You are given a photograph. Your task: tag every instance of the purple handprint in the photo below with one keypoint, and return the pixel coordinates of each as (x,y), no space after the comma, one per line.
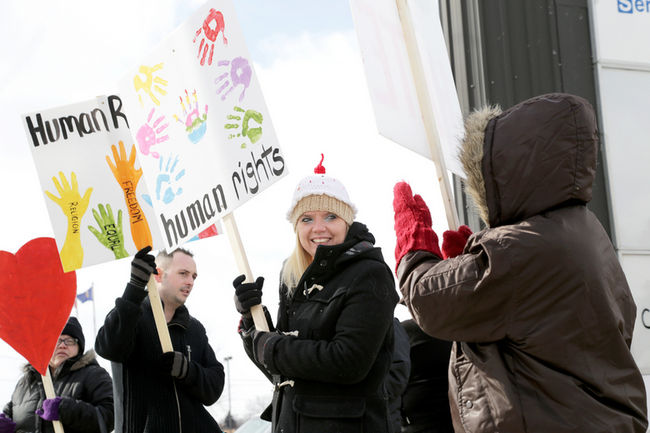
(240,74)
(149,135)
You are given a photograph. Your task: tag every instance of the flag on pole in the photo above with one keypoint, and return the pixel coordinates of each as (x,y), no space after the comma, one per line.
(86,296)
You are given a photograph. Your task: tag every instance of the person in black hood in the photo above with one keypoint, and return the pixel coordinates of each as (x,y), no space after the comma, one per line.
(332,348)
(84,402)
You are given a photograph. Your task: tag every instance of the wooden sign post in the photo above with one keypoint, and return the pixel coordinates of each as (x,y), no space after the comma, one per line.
(242,264)
(49,393)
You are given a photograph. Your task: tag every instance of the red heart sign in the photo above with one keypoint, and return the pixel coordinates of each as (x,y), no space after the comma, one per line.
(37,297)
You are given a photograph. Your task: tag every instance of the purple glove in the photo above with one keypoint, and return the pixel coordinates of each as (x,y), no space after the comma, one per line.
(50,410)
(7,425)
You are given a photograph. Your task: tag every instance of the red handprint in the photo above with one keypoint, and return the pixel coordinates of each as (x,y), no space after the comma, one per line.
(211,34)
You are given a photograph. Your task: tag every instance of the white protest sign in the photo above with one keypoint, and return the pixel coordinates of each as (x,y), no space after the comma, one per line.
(391,80)
(411,85)
(203,132)
(91,181)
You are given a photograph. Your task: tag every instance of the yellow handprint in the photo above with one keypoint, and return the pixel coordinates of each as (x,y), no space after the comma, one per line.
(74,207)
(127,176)
(148,83)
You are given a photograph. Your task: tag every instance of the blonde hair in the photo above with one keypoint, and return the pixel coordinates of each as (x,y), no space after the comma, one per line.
(295,265)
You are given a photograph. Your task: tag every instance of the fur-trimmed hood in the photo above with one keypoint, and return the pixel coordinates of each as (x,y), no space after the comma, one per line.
(72,364)
(535,156)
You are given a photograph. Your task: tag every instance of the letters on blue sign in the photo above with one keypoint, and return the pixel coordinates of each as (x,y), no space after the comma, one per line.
(631,6)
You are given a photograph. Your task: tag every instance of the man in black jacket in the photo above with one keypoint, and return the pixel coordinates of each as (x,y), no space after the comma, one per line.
(84,396)
(154,391)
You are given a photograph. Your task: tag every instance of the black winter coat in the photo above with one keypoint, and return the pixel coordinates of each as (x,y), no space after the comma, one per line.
(398,375)
(148,399)
(86,392)
(341,314)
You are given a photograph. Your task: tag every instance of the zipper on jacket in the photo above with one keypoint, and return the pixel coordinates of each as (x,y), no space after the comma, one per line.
(178,408)
(189,354)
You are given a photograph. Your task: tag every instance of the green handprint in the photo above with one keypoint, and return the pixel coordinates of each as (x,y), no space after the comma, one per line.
(74,207)
(111,234)
(253,134)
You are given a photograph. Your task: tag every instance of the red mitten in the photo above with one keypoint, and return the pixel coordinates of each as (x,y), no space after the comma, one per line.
(453,241)
(412,223)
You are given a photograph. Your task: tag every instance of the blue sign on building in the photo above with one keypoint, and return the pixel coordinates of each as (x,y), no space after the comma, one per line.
(632,6)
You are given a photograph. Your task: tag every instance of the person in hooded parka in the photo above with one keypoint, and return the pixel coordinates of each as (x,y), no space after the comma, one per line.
(537,302)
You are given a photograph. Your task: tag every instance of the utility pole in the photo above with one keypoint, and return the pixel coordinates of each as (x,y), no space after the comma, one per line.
(229,421)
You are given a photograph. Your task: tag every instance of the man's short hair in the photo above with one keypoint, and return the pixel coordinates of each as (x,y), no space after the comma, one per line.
(163,259)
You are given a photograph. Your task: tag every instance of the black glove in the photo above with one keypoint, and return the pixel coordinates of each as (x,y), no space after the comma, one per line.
(174,364)
(260,338)
(247,294)
(142,266)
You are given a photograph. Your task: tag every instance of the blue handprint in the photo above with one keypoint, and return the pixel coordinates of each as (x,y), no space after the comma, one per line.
(166,182)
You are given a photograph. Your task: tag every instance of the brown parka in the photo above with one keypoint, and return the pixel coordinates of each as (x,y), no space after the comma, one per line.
(537,303)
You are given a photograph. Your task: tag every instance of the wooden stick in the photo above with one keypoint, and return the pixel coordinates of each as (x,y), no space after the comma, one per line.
(49,393)
(242,264)
(431,130)
(159,316)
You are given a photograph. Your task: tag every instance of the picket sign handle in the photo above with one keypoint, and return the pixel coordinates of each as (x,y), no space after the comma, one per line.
(49,393)
(159,316)
(433,137)
(242,264)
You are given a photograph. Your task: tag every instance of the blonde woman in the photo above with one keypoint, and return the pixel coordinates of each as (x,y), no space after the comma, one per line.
(331,349)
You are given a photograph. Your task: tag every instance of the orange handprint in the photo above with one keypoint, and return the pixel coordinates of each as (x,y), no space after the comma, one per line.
(127,176)
(74,207)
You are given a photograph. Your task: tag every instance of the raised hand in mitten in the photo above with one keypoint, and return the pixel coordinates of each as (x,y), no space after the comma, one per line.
(247,294)
(142,266)
(412,223)
(453,241)
(7,425)
(50,409)
(173,364)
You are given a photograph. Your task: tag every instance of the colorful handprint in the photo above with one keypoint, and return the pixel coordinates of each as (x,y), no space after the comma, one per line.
(150,84)
(195,124)
(167,182)
(149,135)
(74,206)
(128,177)
(240,74)
(212,26)
(109,234)
(253,134)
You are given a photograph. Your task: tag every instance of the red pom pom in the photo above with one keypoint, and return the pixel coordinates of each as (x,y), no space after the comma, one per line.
(319,168)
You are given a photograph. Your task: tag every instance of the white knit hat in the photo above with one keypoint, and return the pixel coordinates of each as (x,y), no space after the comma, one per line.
(321,193)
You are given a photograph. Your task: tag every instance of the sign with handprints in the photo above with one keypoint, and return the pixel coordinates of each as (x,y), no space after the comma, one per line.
(219,148)
(90,177)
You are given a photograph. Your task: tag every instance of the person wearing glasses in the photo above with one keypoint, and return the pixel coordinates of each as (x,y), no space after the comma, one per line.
(84,392)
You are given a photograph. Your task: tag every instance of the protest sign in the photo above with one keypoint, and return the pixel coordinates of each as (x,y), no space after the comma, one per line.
(37,297)
(86,163)
(411,84)
(203,132)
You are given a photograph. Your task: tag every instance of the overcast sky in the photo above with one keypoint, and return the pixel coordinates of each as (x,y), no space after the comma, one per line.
(307,60)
